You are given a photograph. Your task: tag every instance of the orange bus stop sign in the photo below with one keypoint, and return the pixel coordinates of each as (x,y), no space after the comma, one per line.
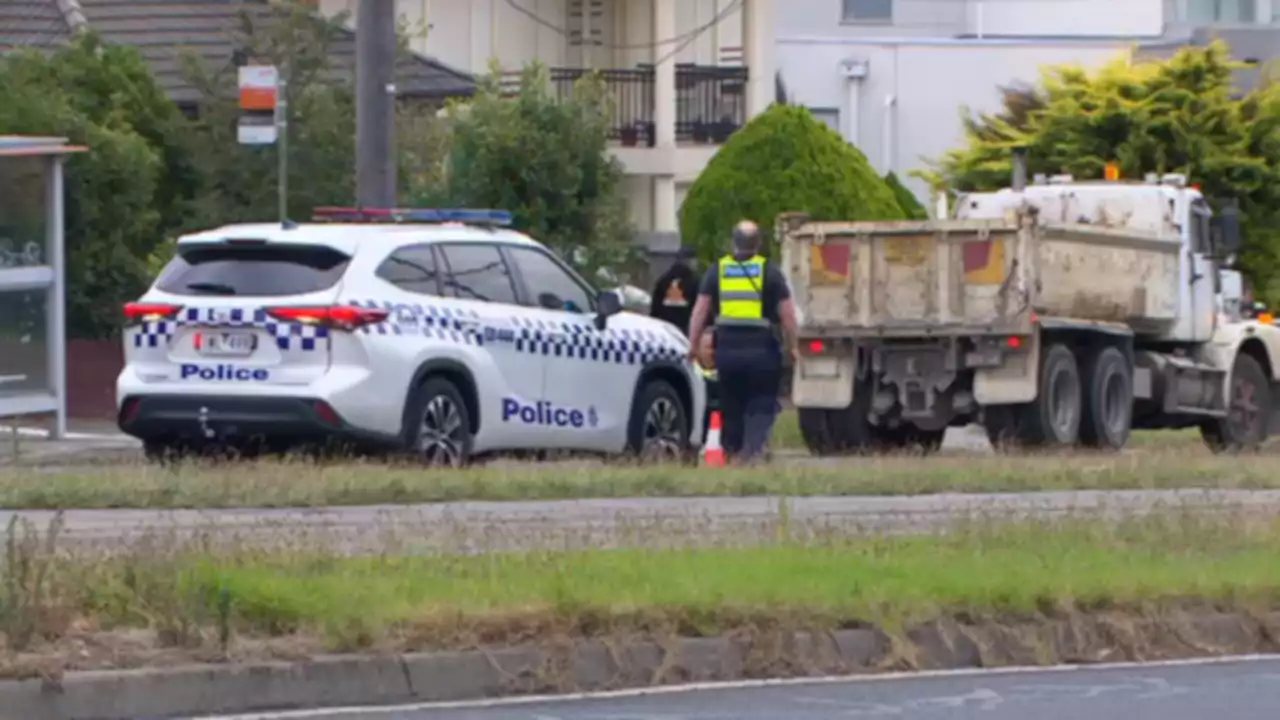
(258,87)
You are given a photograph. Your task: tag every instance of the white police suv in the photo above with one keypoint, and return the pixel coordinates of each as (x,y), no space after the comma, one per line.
(438,332)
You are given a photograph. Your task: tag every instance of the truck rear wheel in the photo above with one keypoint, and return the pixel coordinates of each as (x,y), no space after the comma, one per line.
(840,431)
(834,432)
(1108,399)
(1248,410)
(1053,418)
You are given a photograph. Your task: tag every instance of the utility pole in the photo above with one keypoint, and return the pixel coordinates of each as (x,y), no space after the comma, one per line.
(376,45)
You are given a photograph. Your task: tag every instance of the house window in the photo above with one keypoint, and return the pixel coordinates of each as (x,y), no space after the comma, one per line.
(1226,12)
(830,116)
(868,11)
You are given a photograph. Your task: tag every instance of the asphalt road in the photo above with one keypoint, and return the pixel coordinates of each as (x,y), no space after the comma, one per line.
(1238,690)
(490,526)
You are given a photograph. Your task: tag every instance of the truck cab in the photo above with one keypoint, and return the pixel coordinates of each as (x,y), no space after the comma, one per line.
(1164,212)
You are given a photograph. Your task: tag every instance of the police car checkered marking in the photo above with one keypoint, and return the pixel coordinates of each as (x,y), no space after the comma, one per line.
(289,336)
(535,336)
(153,334)
(439,323)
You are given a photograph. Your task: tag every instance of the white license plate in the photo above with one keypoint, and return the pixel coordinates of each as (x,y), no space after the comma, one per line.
(226,344)
(820,367)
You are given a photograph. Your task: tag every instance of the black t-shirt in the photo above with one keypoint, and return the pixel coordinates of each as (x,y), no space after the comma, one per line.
(775,289)
(673,296)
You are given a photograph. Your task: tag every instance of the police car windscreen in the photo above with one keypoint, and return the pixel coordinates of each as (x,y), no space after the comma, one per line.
(252,270)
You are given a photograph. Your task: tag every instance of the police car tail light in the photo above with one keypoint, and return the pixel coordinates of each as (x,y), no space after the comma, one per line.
(326,412)
(815,347)
(136,312)
(129,411)
(343,317)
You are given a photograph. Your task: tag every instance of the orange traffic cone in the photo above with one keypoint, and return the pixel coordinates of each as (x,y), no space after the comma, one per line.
(712,450)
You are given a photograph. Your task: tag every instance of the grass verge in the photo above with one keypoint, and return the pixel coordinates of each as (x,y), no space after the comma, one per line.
(296,483)
(170,601)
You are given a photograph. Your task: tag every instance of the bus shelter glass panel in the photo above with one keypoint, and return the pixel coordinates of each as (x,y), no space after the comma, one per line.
(24,345)
(24,212)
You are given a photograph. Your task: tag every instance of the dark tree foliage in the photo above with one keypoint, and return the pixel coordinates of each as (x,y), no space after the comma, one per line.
(123,196)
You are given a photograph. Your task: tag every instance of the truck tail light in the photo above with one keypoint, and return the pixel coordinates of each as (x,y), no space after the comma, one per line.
(814,347)
(136,312)
(341,317)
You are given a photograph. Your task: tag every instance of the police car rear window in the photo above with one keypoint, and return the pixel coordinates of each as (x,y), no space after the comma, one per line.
(252,270)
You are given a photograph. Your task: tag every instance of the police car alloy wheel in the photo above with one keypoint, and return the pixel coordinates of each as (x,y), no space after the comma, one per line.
(660,428)
(441,435)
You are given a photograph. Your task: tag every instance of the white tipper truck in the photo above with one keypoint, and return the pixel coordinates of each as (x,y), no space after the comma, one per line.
(1055,314)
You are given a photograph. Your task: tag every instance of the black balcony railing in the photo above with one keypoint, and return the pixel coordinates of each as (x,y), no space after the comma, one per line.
(710,101)
(631,95)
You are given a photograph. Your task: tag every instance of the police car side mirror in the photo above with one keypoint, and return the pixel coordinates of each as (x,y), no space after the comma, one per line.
(608,302)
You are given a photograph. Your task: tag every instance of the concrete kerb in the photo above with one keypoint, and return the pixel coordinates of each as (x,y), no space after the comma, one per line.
(598,665)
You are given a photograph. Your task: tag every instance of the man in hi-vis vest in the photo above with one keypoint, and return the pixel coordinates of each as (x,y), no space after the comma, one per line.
(749,298)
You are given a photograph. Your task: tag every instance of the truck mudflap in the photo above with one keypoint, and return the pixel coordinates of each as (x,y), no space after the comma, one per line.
(824,374)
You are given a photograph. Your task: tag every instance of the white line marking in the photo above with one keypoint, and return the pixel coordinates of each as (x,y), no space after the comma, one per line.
(730,685)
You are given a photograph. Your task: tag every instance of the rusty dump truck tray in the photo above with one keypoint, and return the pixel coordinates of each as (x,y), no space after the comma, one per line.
(950,277)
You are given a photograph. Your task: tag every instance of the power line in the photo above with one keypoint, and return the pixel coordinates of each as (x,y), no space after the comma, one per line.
(685,37)
(698,32)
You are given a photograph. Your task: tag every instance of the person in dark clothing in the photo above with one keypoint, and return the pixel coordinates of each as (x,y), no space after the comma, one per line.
(749,298)
(675,292)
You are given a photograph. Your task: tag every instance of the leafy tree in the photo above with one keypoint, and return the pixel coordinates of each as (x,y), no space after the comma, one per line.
(119,197)
(422,147)
(911,207)
(546,160)
(240,182)
(784,160)
(1180,115)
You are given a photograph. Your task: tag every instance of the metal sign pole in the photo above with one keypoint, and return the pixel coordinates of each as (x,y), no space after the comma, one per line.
(56,306)
(264,119)
(282,146)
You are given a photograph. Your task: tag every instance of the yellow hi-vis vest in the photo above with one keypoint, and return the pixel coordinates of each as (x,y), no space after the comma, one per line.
(742,292)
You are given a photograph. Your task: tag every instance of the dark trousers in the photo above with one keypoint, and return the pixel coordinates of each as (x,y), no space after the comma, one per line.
(750,372)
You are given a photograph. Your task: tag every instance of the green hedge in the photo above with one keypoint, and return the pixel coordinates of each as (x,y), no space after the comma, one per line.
(784,160)
(911,206)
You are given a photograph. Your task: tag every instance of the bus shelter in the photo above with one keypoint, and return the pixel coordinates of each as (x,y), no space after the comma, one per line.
(33,335)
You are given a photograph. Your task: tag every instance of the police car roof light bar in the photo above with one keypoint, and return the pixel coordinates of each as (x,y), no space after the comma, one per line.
(466,216)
